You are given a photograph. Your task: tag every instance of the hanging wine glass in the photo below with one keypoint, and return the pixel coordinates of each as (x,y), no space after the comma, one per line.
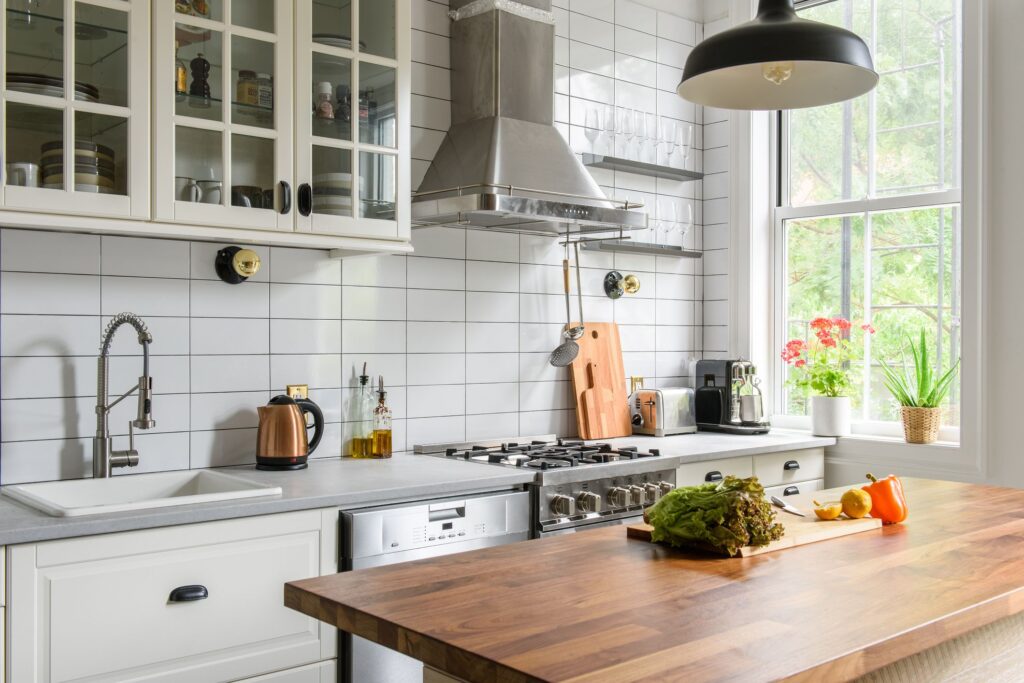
(609,130)
(640,131)
(668,128)
(626,129)
(592,127)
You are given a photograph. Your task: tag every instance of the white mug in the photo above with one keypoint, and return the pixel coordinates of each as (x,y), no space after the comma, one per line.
(187,190)
(210,191)
(23,173)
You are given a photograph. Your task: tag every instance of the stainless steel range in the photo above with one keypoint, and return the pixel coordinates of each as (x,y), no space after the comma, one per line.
(577,485)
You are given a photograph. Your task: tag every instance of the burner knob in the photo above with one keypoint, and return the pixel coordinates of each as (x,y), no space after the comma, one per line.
(618,497)
(665,487)
(637,494)
(563,506)
(588,502)
(653,492)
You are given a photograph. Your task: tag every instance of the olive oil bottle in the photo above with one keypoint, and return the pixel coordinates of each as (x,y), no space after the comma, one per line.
(360,445)
(381,446)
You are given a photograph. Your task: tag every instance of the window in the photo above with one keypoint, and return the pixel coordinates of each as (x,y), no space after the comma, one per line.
(868,219)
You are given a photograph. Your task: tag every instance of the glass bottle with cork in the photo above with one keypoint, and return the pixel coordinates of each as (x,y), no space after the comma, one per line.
(381,447)
(364,403)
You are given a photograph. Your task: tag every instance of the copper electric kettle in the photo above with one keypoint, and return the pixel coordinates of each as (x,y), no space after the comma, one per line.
(282,442)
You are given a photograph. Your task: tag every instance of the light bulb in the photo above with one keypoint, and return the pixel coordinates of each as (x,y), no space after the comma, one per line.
(778,72)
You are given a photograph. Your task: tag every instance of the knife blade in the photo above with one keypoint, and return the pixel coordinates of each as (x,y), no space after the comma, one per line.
(779,503)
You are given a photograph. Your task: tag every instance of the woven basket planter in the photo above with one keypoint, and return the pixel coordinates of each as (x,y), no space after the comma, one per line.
(921,425)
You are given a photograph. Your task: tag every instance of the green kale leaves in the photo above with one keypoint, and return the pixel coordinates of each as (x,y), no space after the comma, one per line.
(726,516)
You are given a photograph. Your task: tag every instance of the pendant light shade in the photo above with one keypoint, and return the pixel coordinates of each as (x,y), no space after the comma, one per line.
(778,61)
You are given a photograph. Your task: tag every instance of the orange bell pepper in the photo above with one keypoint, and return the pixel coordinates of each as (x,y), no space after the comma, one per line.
(887,500)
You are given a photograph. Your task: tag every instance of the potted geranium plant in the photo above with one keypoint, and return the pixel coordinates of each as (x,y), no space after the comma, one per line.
(821,368)
(919,393)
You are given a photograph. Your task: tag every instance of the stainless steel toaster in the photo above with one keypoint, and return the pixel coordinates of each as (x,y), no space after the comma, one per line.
(662,412)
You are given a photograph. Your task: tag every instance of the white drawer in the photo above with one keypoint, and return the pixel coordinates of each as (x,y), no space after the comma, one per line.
(795,489)
(321,672)
(99,608)
(3,645)
(3,577)
(693,473)
(775,469)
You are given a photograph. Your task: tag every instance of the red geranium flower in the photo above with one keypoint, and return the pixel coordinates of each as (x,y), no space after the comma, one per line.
(829,342)
(841,323)
(821,324)
(867,327)
(800,363)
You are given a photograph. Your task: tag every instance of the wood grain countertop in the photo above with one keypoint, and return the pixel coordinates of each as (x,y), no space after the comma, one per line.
(596,606)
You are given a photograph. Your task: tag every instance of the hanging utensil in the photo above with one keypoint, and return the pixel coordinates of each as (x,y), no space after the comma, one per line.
(567,351)
(577,332)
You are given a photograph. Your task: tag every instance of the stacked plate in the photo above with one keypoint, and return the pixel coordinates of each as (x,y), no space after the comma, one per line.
(332,194)
(94,166)
(336,40)
(40,84)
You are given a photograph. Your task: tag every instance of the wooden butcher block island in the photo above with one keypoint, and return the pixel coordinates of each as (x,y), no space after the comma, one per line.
(598,606)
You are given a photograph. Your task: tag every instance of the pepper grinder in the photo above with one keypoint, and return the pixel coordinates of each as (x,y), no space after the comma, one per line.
(200,87)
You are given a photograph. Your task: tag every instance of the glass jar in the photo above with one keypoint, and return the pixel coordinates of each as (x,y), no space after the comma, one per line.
(247,90)
(265,90)
(324,108)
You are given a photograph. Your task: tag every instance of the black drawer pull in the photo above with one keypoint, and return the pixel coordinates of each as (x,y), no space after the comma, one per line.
(305,199)
(791,491)
(791,465)
(188,594)
(286,197)
(713,475)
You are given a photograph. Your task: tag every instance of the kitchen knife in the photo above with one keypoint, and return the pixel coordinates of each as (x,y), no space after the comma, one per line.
(779,503)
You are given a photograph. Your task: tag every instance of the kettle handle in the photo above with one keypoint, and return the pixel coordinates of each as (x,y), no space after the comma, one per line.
(307,406)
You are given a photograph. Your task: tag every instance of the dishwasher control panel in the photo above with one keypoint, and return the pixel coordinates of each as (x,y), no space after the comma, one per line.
(399,528)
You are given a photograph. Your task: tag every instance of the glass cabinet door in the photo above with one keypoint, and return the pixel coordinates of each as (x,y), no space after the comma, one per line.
(351,115)
(224,127)
(75,107)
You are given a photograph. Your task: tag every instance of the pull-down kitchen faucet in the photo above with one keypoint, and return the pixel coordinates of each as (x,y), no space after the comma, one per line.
(104,458)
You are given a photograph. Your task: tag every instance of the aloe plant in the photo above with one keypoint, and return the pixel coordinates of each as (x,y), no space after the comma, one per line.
(924,388)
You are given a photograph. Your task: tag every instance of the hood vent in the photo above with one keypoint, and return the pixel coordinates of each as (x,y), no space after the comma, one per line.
(502,165)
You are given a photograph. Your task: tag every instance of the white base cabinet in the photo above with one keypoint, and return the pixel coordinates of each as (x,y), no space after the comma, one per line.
(102,608)
(785,473)
(321,672)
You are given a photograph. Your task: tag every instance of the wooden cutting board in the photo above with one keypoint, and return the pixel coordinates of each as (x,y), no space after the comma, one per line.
(799,531)
(599,384)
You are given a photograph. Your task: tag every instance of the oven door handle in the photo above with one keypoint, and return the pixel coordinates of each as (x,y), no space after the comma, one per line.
(449,510)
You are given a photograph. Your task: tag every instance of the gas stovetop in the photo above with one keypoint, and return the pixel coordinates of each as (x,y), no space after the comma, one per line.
(546,455)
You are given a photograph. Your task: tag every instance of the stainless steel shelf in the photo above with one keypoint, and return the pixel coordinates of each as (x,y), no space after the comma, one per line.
(648,248)
(639,167)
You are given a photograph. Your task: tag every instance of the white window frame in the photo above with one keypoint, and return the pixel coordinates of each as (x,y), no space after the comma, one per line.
(755,253)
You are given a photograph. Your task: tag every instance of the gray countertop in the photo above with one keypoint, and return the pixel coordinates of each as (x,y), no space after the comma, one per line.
(346,483)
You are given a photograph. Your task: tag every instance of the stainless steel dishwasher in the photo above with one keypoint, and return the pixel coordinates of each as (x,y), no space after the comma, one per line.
(378,536)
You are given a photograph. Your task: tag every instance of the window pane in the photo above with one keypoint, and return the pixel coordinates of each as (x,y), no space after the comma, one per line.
(904,136)
(898,270)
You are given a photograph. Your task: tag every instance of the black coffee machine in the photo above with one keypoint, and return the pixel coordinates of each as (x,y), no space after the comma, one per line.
(728,398)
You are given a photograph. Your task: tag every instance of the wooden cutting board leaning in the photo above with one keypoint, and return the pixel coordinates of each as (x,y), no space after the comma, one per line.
(799,531)
(599,384)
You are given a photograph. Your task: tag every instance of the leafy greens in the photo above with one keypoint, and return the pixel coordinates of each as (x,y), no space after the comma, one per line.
(726,516)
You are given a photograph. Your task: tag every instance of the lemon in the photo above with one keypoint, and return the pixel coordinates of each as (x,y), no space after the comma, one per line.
(856,503)
(828,510)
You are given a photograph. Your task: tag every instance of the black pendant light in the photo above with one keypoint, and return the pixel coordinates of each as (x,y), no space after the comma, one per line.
(778,61)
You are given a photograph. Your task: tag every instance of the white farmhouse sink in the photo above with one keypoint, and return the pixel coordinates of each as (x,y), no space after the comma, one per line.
(135,492)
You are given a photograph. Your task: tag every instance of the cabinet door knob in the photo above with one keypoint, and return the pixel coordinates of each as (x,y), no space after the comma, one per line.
(791,491)
(188,594)
(286,197)
(791,465)
(714,475)
(305,199)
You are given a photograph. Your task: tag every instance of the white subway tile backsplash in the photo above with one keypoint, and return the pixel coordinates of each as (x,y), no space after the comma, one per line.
(436,305)
(492,398)
(635,16)
(435,430)
(35,251)
(133,256)
(222,448)
(145,296)
(321,302)
(49,335)
(216,299)
(374,271)
(435,368)
(373,303)
(482,245)
(492,426)
(492,367)
(391,365)
(213,374)
(491,306)
(490,276)
(224,336)
(435,273)
(233,410)
(305,336)
(492,337)
(46,293)
(436,337)
(303,266)
(319,371)
(373,336)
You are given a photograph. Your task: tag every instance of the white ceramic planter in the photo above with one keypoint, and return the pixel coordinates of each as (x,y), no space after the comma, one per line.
(830,416)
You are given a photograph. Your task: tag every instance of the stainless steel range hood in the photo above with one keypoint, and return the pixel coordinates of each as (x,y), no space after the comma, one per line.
(502,165)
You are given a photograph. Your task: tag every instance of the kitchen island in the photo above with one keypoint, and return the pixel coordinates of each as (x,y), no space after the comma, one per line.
(597,606)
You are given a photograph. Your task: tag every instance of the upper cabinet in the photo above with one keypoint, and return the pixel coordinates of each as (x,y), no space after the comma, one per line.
(351,113)
(76,107)
(222,97)
(288,120)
